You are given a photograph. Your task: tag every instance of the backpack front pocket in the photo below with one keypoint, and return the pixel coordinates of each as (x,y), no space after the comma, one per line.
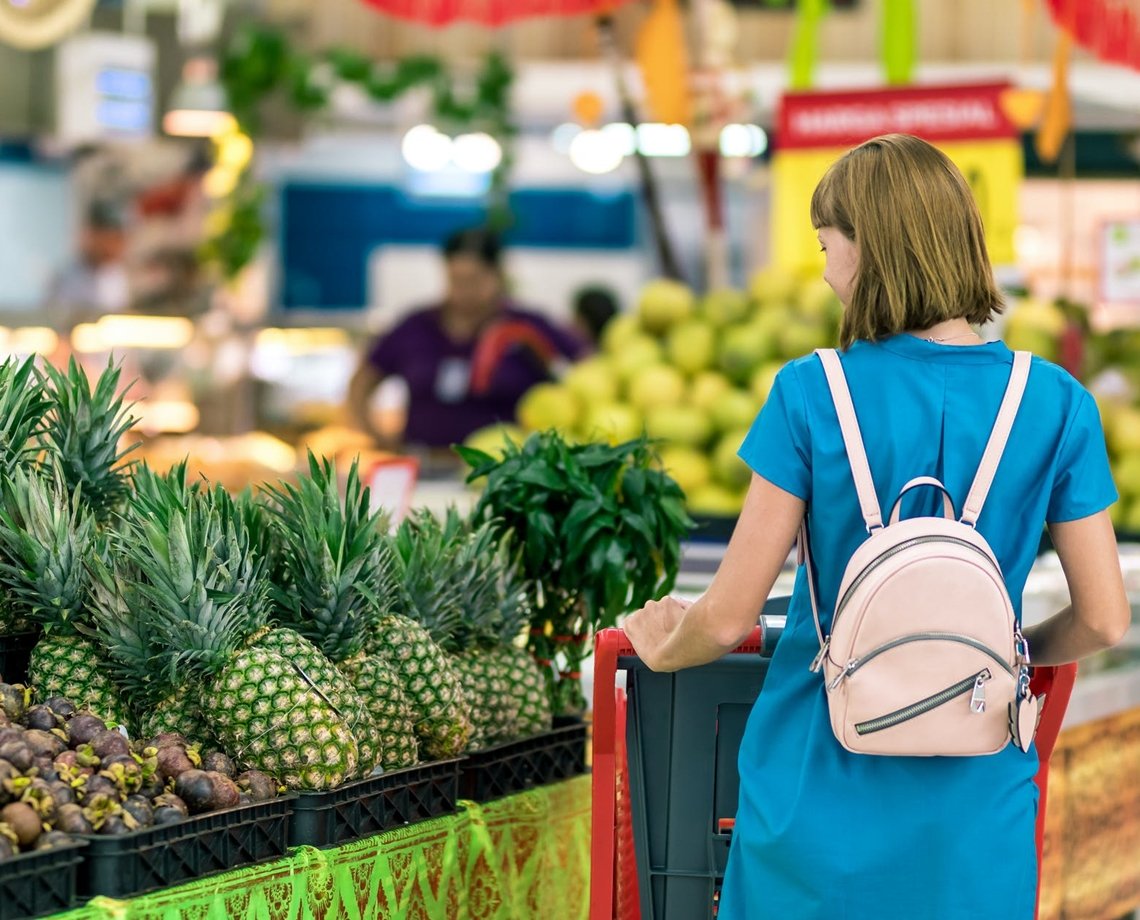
(975,685)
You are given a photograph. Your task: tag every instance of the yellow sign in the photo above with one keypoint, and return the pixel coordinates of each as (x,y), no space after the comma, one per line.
(967,123)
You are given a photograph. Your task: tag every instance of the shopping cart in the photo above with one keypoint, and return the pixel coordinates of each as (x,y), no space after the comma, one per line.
(665,784)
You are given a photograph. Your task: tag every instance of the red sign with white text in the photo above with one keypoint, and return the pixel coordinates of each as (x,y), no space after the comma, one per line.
(934,113)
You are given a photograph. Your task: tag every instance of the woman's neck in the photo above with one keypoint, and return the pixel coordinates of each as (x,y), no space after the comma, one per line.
(462,326)
(951,332)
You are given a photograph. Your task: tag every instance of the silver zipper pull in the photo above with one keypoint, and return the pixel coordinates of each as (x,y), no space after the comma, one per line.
(978,697)
(1021,645)
(817,662)
(846,672)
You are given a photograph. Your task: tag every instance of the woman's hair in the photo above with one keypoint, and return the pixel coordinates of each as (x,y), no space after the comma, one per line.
(922,249)
(476,242)
(595,307)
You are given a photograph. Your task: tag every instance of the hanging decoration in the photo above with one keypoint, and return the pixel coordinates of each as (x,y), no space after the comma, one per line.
(897,42)
(663,59)
(489,12)
(1058,117)
(1110,29)
(803,54)
(31,26)
(261,63)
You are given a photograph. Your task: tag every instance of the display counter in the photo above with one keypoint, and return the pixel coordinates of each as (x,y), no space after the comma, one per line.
(525,856)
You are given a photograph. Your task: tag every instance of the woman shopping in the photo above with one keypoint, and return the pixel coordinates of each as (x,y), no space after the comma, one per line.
(832,823)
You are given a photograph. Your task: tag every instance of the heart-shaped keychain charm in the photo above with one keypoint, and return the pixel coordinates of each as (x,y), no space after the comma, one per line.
(1024,717)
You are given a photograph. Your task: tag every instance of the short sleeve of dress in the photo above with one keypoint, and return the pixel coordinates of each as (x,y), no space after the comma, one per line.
(1083,484)
(777,446)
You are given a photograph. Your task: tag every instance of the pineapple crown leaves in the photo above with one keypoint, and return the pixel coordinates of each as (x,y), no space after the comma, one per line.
(330,562)
(46,538)
(594,523)
(138,655)
(83,429)
(197,577)
(23,405)
(434,578)
(157,494)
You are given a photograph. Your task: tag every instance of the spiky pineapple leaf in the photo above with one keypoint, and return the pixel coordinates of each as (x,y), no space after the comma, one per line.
(83,429)
(46,539)
(328,556)
(23,405)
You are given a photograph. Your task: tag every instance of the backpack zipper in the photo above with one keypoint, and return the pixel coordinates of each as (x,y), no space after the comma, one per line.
(974,684)
(894,551)
(856,663)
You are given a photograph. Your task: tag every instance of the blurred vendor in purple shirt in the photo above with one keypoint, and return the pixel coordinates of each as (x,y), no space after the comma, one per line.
(467,360)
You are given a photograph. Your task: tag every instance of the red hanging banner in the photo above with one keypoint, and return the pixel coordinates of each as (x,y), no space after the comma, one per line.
(1110,29)
(489,12)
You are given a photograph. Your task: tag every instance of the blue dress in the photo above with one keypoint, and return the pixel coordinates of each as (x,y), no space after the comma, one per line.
(822,834)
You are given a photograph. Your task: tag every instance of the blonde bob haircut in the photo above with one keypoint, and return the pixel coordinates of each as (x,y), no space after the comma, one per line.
(922,250)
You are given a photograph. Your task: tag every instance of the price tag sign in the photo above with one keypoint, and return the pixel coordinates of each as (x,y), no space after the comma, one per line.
(968,123)
(392,483)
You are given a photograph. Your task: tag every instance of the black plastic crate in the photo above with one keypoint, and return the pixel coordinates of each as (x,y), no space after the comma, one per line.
(683,734)
(161,857)
(39,883)
(375,805)
(15,651)
(518,765)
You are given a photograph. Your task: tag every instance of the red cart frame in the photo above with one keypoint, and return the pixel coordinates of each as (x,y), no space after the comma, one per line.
(613,870)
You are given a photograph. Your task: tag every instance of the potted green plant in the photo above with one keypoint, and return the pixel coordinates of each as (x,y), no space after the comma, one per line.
(597,529)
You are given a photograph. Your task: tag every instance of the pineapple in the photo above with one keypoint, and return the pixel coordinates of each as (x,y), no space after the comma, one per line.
(421,589)
(211,598)
(23,405)
(126,626)
(83,431)
(328,567)
(46,538)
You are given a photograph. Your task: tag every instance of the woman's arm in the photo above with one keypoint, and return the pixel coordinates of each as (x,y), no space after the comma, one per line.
(669,636)
(360,391)
(1099,615)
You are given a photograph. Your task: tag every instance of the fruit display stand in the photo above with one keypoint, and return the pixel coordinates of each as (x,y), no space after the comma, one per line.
(523,856)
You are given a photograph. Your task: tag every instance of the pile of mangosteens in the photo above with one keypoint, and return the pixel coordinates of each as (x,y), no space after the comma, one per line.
(63,772)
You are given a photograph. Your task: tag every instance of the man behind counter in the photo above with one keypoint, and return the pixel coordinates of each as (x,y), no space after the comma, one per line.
(466,361)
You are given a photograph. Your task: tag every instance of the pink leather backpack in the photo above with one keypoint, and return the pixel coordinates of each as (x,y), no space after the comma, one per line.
(925,657)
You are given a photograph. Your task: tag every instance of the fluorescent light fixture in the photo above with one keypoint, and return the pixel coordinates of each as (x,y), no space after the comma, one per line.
(425,149)
(743,141)
(115,331)
(660,140)
(476,153)
(596,153)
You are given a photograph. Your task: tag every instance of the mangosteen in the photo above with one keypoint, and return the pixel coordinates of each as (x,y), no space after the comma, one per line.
(42,718)
(139,808)
(108,743)
(72,820)
(86,757)
(43,743)
(98,785)
(168,739)
(13,701)
(62,794)
(7,849)
(115,826)
(18,754)
(51,839)
(63,708)
(246,799)
(66,760)
(127,776)
(24,821)
(83,727)
(196,789)
(173,761)
(219,762)
(261,788)
(38,794)
(164,814)
(170,800)
(226,793)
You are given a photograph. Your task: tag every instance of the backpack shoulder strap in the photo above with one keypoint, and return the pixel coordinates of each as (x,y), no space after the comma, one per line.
(852,438)
(984,478)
